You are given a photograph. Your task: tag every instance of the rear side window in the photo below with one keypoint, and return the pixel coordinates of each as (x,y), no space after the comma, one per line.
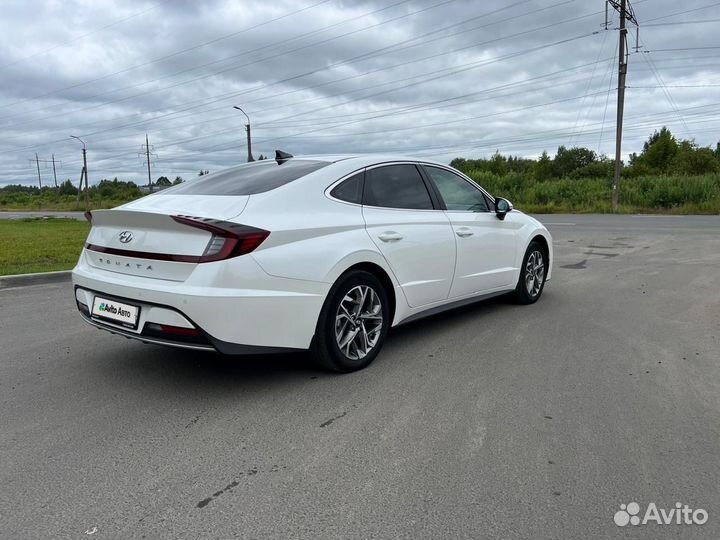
(249,179)
(350,190)
(396,186)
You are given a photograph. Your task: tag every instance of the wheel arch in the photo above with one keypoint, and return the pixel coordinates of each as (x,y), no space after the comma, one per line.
(544,239)
(380,273)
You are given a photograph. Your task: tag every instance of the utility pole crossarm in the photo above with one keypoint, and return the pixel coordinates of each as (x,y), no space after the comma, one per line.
(629,12)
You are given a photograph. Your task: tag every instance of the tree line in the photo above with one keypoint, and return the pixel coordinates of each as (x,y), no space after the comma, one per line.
(662,154)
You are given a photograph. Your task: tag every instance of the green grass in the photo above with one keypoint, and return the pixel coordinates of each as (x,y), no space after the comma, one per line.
(656,194)
(46,245)
(64,203)
(40,245)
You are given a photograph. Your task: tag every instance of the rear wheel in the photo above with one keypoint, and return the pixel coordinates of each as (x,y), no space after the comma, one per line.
(532,274)
(353,323)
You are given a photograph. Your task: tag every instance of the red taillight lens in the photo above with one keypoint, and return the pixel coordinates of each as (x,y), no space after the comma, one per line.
(228,239)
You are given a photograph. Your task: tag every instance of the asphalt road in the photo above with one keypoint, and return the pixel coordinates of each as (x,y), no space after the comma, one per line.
(494,421)
(47,214)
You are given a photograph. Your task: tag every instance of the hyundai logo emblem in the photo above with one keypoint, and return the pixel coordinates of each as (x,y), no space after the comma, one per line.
(126,236)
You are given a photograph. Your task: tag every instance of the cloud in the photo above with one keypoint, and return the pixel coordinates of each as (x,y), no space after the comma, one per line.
(437,78)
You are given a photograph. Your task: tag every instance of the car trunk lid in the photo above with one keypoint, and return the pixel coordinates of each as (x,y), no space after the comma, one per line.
(147,238)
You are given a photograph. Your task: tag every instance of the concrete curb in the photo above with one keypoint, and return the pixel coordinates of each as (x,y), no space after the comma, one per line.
(40,278)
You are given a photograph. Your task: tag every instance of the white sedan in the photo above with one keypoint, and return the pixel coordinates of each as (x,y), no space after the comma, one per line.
(323,253)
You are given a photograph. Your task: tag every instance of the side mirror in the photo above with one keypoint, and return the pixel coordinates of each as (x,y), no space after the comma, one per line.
(502,207)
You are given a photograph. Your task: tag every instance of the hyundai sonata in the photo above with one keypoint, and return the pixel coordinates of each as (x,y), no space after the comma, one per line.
(323,253)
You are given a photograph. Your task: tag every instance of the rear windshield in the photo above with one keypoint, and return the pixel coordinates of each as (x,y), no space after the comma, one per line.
(249,179)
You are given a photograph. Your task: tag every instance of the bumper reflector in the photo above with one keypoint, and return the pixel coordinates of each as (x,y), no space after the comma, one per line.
(175,330)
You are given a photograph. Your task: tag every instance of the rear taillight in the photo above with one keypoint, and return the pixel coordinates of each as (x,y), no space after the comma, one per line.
(228,239)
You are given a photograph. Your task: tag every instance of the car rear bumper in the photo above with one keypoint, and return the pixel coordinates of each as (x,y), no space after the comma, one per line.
(276,315)
(150,330)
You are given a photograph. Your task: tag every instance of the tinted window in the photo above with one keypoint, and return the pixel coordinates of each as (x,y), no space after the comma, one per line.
(396,186)
(350,190)
(458,193)
(248,179)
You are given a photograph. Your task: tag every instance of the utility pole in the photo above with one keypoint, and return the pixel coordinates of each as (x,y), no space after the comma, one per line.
(46,164)
(145,151)
(626,14)
(54,173)
(147,157)
(37,162)
(83,173)
(247,130)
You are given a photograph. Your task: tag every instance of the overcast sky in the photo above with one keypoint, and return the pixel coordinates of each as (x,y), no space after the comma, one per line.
(434,78)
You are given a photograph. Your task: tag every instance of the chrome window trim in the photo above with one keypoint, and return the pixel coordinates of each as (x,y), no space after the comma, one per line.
(407,162)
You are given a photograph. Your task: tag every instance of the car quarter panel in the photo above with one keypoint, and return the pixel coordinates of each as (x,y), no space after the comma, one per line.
(234,300)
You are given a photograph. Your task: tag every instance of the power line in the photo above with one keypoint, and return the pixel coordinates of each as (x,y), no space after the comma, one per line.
(72,40)
(202,77)
(428,79)
(607,100)
(236,94)
(172,55)
(658,77)
(672,23)
(681,12)
(283,53)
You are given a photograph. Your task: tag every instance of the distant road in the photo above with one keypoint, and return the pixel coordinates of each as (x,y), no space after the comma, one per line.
(21,215)
(595,221)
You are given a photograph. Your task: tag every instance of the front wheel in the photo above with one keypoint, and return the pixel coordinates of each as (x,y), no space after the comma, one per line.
(532,274)
(353,323)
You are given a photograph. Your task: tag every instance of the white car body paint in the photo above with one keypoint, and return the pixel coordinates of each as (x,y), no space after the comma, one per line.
(270,298)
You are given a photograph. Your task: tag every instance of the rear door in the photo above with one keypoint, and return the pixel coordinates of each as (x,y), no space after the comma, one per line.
(413,235)
(486,245)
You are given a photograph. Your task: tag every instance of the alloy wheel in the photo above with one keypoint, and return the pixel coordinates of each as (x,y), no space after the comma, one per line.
(534,273)
(358,322)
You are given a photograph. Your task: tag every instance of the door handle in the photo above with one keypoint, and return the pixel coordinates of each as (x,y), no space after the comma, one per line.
(390,236)
(464,232)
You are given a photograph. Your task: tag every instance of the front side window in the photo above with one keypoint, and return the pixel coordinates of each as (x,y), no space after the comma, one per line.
(457,192)
(256,177)
(396,186)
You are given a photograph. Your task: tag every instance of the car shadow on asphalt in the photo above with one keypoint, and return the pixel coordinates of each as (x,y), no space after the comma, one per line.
(440,322)
(185,368)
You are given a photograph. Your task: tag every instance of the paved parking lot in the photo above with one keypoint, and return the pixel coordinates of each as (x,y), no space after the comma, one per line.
(493,421)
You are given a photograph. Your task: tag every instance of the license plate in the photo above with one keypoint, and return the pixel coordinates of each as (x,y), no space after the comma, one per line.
(117,312)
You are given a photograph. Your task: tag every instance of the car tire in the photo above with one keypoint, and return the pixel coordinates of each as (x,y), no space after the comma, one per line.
(352,308)
(532,274)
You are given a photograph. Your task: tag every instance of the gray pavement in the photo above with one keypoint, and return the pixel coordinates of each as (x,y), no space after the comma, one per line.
(493,421)
(47,214)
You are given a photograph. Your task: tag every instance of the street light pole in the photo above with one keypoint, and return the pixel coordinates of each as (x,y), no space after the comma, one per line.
(84,173)
(247,129)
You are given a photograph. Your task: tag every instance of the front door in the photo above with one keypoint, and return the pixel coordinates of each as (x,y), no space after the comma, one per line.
(415,238)
(486,245)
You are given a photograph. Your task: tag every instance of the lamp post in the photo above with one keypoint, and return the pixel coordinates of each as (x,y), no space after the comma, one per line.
(84,173)
(247,129)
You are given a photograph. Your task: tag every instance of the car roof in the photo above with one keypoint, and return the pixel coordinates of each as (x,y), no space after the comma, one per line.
(362,160)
